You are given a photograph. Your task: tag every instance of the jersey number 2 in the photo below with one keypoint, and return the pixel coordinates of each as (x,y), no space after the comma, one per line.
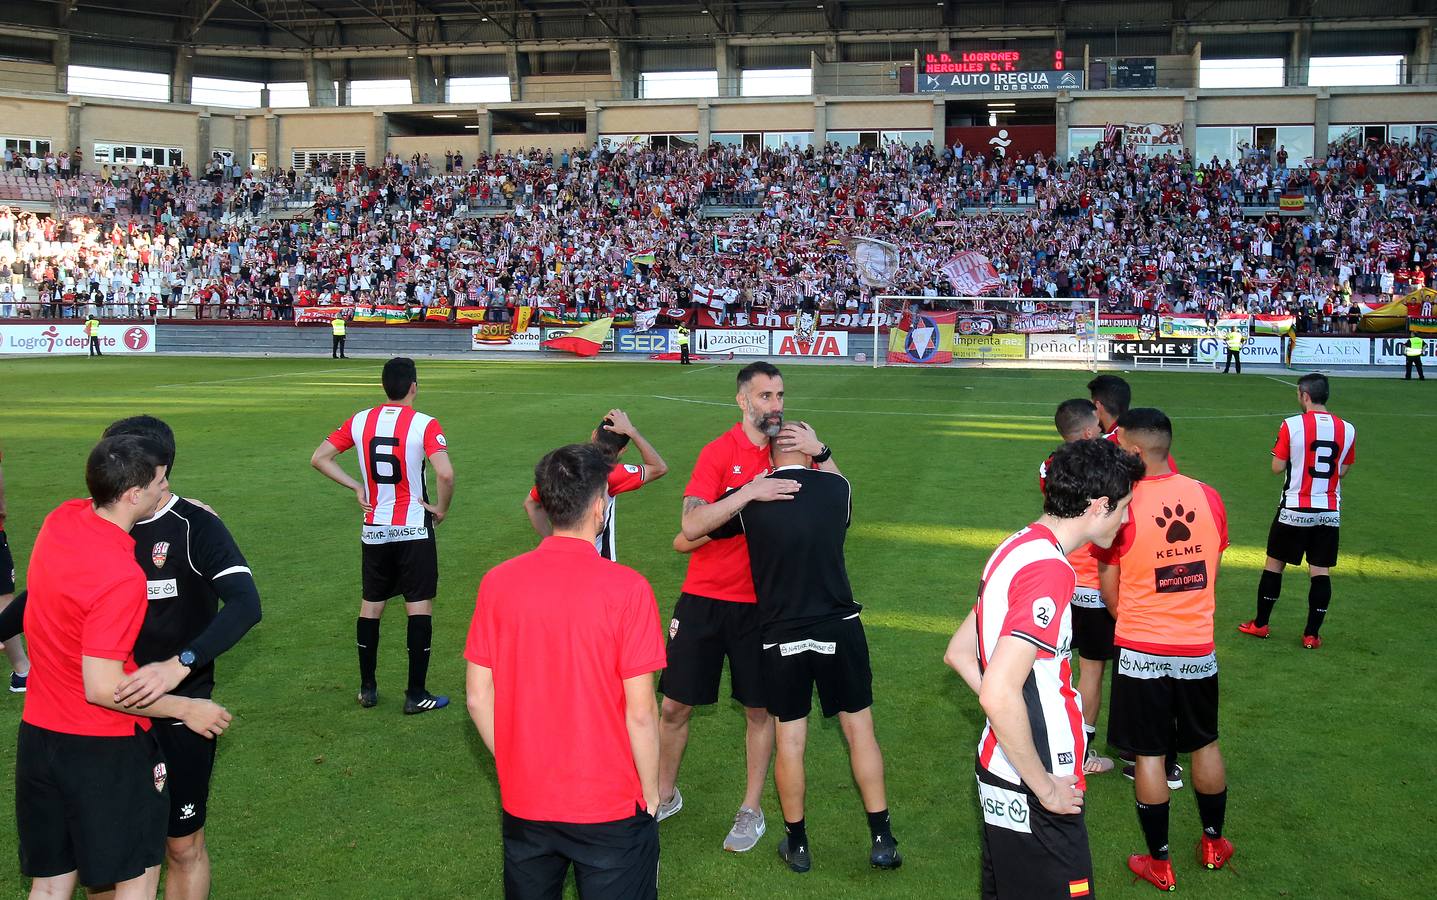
(383,462)
(1323,453)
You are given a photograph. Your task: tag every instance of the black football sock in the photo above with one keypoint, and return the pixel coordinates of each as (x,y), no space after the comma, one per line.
(1319,594)
(1169,761)
(367,636)
(1153,817)
(797,834)
(421,632)
(1212,808)
(878,825)
(1269,586)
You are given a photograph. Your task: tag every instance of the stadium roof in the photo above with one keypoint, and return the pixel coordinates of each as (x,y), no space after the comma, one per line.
(283,27)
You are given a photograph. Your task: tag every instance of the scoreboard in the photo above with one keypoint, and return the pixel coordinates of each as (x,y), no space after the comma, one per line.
(972,62)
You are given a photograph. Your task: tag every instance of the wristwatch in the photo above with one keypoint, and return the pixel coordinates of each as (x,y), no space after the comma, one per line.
(823,455)
(187,658)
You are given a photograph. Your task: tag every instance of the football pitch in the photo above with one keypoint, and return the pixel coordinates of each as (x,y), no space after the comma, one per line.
(1329,752)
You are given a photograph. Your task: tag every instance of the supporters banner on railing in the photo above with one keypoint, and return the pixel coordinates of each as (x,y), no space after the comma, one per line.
(922,338)
(971,274)
(1153,134)
(311,315)
(388,315)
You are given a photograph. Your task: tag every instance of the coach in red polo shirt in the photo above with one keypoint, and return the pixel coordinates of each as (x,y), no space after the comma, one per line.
(90,801)
(562,650)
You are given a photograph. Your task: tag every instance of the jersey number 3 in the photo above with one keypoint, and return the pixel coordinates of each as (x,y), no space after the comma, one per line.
(383,462)
(1324,454)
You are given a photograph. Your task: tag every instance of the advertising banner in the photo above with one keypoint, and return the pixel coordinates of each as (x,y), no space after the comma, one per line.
(1254,350)
(1003,82)
(1165,348)
(1393,351)
(739,342)
(1315,351)
(1066,347)
(1017,141)
(657,340)
(989,346)
(824,343)
(496,336)
(71,339)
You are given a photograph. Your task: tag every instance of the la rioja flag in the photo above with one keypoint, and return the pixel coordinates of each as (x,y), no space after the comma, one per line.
(586,340)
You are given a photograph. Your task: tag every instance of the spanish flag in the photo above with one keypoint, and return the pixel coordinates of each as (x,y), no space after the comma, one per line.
(922,337)
(584,341)
(1080,888)
(643,257)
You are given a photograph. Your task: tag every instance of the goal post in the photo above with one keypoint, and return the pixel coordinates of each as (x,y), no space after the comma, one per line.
(974,327)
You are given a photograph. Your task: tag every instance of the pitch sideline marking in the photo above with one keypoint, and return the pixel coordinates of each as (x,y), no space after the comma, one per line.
(1280,381)
(257,377)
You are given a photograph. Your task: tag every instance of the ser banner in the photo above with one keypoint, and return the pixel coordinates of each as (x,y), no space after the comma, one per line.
(71,339)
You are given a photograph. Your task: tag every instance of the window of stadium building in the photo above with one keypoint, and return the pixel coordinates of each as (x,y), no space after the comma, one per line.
(286,94)
(138,155)
(777,140)
(1080,139)
(1240,73)
(1412,134)
(124,84)
(27,146)
(1226,142)
(1329,71)
(1295,139)
(379,92)
(776,82)
(477,90)
(668,85)
(303,159)
(225,92)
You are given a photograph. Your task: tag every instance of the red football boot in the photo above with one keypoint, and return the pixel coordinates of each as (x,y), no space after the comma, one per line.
(1254,629)
(1214,853)
(1157,872)
(1311,642)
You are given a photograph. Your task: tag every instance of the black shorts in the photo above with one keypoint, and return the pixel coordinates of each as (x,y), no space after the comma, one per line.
(7,566)
(1029,852)
(701,633)
(1093,633)
(191,760)
(1290,543)
(831,655)
(612,860)
(96,804)
(408,569)
(1163,703)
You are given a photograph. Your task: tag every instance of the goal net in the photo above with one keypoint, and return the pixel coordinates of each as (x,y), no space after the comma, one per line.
(947,330)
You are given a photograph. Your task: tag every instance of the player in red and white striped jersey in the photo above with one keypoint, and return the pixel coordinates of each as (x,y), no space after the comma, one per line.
(398,551)
(612,437)
(1012,650)
(1313,452)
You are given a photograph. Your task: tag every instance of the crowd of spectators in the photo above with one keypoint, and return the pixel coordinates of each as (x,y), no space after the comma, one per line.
(573,231)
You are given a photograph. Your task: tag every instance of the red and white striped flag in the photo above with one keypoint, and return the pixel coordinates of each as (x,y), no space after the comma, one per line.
(1110,133)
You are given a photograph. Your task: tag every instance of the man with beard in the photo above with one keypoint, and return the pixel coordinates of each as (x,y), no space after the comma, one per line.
(716,615)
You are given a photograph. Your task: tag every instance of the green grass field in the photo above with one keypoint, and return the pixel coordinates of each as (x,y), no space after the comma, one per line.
(1329,753)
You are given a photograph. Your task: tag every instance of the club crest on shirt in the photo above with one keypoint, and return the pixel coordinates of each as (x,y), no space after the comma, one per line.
(673,628)
(161,776)
(159,553)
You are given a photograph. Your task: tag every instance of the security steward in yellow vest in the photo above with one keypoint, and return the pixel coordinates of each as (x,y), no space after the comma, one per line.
(684,346)
(92,331)
(1234,351)
(337,326)
(1413,353)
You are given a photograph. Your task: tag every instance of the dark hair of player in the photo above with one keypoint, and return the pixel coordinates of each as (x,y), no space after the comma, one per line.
(149,427)
(1113,392)
(119,463)
(1151,427)
(1081,471)
(1315,386)
(568,480)
(748,372)
(610,442)
(1073,416)
(399,374)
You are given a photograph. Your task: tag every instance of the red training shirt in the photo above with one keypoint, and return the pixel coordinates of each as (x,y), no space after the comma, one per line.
(719,570)
(561,628)
(87,598)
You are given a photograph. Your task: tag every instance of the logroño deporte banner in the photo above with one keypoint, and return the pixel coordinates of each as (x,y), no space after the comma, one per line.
(71,339)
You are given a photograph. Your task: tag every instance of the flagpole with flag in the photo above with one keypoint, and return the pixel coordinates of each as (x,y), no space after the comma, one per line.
(587,340)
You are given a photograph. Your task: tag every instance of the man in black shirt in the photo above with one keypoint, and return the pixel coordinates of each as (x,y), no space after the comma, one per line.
(191,565)
(811,634)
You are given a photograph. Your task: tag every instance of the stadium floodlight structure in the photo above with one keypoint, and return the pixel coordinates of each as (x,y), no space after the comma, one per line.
(979,325)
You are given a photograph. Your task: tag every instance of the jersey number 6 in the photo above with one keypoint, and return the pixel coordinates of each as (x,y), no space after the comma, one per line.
(383,462)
